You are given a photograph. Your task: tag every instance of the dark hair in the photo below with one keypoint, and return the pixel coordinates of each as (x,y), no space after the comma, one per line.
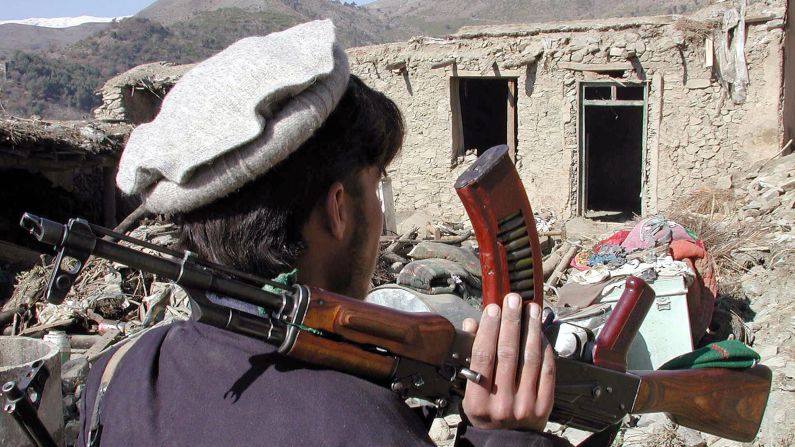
(258,228)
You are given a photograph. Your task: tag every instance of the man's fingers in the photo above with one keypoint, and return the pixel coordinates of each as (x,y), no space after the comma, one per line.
(546,383)
(484,352)
(508,348)
(470,325)
(517,367)
(531,359)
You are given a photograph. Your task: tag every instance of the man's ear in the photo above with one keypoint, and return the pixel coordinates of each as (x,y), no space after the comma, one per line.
(336,210)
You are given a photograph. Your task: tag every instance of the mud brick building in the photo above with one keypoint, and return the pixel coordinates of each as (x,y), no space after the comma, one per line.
(604,118)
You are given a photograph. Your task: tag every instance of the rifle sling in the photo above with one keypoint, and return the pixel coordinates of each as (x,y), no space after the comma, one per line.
(107,374)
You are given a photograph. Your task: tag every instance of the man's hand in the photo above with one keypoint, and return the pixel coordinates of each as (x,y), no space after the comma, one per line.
(517,365)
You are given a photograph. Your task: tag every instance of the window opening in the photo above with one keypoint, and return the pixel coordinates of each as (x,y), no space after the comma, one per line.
(604,92)
(612,138)
(484,114)
(630,93)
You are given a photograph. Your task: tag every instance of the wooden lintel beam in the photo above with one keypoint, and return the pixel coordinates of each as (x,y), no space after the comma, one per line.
(444,63)
(612,66)
(612,103)
(396,66)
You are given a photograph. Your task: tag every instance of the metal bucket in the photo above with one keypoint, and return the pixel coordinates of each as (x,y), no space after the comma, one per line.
(16,356)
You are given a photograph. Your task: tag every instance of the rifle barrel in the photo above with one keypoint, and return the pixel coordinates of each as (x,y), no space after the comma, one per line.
(183,271)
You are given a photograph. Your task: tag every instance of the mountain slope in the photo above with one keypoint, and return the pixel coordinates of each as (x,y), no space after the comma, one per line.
(445,16)
(173,11)
(14,36)
(54,83)
(357,25)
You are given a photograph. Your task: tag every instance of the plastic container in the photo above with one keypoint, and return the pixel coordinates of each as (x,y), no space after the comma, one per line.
(61,341)
(16,355)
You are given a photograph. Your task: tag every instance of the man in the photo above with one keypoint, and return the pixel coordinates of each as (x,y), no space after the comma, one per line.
(269,155)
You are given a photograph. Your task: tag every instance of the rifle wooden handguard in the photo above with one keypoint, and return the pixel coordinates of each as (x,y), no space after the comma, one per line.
(423,337)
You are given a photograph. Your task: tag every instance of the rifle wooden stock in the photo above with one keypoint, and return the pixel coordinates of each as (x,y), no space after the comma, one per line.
(729,403)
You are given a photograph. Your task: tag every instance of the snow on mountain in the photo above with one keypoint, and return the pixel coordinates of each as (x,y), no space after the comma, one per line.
(62,22)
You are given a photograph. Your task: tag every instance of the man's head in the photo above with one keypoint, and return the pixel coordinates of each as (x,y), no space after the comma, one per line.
(316,210)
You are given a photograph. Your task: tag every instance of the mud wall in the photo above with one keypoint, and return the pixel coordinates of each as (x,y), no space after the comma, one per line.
(696,135)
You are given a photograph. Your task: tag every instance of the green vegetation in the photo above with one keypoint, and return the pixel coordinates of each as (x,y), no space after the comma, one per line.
(34,82)
(136,41)
(63,86)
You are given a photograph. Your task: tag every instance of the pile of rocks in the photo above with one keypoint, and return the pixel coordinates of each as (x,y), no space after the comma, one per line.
(769,290)
(770,196)
(108,303)
(764,295)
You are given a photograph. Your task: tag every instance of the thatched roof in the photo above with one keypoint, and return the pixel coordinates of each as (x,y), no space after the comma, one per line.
(32,142)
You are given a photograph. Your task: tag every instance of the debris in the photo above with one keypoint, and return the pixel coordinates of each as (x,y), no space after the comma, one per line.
(465,257)
(74,373)
(561,267)
(433,276)
(553,259)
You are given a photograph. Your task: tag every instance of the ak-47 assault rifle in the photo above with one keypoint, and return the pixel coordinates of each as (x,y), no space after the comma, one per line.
(422,354)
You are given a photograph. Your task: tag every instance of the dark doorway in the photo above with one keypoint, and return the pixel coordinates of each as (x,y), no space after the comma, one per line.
(612,142)
(485,112)
(24,191)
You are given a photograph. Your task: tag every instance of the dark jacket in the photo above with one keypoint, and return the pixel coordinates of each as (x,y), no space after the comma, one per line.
(194,384)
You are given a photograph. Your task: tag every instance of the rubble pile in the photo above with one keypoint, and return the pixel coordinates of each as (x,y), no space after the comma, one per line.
(108,303)
(105,295)
(768,288)
(754,243)
(747,229)
(770,197)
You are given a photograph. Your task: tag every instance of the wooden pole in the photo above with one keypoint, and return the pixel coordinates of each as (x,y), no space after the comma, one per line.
(109,196)
(564,262)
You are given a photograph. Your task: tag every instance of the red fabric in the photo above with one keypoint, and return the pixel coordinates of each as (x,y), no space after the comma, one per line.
(703,293)
(580,260)
(702,261)
(616,239)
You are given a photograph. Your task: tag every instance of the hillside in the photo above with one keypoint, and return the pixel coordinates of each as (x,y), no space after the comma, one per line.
(357,25)
(440,17)
(15,37)
(58,84)
(57,67)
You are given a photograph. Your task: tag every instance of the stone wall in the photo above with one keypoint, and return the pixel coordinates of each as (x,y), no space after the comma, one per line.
(695,134)
(135,96)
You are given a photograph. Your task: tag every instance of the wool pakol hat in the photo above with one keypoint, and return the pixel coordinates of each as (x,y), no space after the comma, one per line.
(234,116)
